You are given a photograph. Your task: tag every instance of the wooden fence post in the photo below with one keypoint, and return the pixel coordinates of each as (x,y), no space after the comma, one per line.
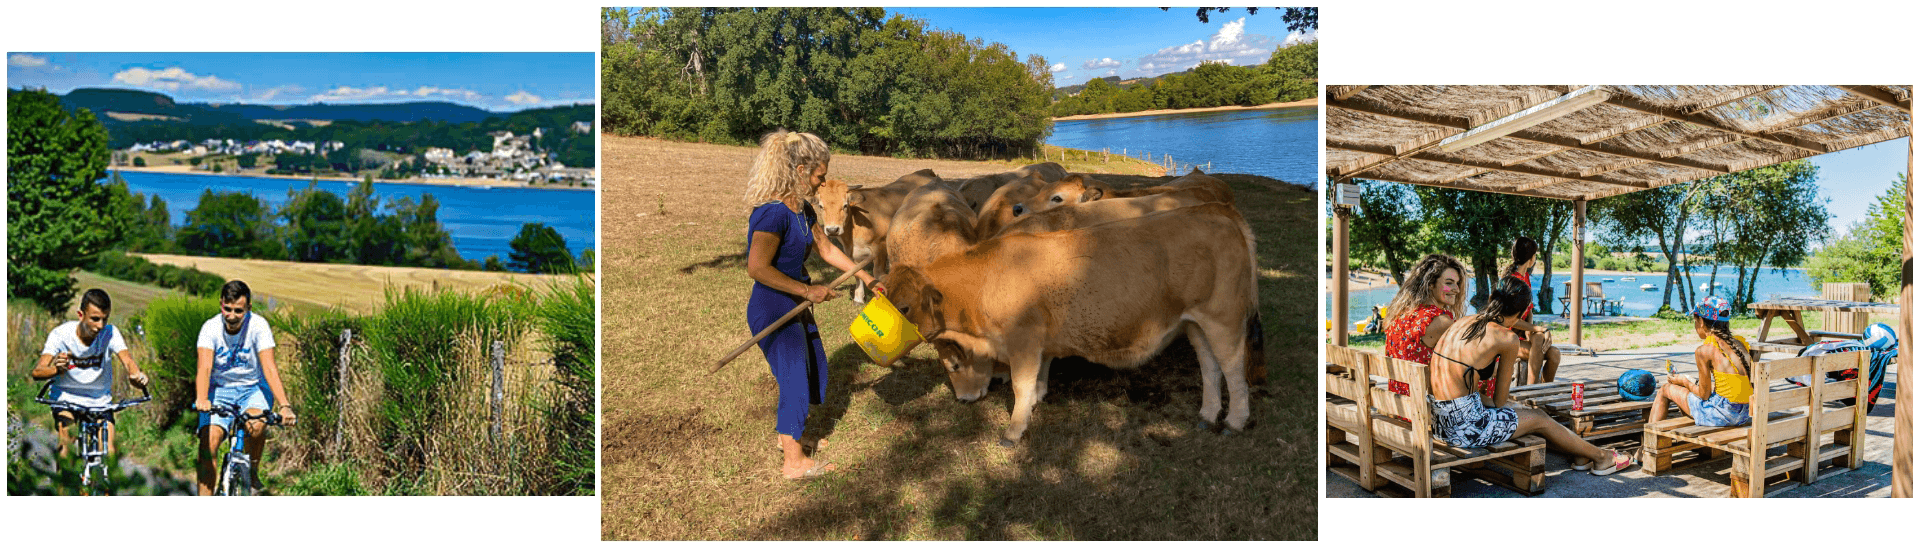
(340,393)
(1106,156)
(499,385)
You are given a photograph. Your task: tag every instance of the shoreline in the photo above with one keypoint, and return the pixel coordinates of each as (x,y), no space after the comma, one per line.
(460,182)
(1309,102)
(1367,279)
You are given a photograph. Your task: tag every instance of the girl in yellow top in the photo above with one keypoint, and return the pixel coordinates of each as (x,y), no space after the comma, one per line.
(1720,397)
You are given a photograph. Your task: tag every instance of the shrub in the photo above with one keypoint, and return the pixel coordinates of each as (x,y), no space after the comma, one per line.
(313,378)
(173,330)
(566,318)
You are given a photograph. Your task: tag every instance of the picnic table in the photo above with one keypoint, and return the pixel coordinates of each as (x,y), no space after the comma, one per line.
(1789,309)
(1606,413)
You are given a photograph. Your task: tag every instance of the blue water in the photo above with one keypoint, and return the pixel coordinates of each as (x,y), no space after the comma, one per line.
(481,220)
(1772,284)
(1278,143)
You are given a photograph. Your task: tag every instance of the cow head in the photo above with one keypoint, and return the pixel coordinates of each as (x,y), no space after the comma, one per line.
(1069,190)
(923,305)
(834,197)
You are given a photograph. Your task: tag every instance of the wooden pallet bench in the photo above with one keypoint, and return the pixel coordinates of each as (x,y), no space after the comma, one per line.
(1798,419)
(1383,441)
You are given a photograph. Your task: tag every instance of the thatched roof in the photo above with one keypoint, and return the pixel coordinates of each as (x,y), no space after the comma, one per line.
(1639,137)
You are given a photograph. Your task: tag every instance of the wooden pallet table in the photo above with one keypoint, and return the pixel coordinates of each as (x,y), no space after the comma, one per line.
(1606,414)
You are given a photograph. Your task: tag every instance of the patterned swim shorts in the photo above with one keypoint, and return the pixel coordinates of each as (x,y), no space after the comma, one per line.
(1464,422)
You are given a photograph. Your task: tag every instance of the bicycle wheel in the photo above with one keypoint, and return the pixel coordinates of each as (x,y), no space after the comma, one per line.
(94,479)
(233,480)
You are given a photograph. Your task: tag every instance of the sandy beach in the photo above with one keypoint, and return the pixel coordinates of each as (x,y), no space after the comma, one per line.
(450,181)
(1300,103)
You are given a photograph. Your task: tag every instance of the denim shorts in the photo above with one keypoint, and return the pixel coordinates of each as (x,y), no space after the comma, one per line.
(1717,411)
(251,396)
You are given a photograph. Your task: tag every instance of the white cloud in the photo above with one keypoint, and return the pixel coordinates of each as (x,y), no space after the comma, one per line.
(270,93)
(1231,44)
(171,79)
(1112,72)
(1103,62)
(523,98)
(23,60)
(1057,67)
(1297,37)
(467,95)
(346,94)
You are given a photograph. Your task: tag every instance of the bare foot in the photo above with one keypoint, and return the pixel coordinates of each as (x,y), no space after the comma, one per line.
(807,468)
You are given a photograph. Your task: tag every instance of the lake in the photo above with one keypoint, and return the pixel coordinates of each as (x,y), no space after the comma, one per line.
(481,220)
(1788,283)
(1278,143)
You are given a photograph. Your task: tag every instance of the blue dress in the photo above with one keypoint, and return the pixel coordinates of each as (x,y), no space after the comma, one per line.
(794,352)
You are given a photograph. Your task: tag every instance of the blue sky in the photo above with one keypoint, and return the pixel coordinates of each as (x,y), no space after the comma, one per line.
(493,81)
(1853,178)
(1085,43)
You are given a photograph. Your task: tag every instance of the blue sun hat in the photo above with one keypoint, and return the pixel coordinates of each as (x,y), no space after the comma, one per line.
(1715,309)
(1636,385)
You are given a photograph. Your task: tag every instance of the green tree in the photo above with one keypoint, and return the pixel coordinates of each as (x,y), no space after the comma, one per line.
(539,249)
(316,226)
(139,161)
(1386,226)
(374,238)
(247,161)
(493,264)
(1663,213)
(1768,216)
(1870,251)
(586,260)
(229,224)
(55,160)
(427,243)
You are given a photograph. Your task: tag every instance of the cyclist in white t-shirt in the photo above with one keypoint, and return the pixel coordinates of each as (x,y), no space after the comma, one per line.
(78,357)
(236,355)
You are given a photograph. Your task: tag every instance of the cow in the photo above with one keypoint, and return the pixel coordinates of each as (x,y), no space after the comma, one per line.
(1115,293)
(933,222)
(859,217)
(978,190)
(998,211)
(1078,189)
(1103,211)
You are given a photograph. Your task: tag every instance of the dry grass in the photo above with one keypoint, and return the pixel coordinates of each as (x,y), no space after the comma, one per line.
(1111,454)
(356,288)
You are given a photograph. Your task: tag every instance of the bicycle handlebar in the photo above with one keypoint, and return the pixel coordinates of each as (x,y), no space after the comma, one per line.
(231,410)
(115,407)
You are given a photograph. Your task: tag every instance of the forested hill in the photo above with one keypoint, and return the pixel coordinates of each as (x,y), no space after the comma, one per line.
(136,102)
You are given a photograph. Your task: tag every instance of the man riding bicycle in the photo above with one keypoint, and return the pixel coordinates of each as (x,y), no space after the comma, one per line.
(235,355)
(78,357)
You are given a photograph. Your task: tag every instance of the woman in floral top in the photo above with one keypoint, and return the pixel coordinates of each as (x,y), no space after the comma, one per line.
(1428,302)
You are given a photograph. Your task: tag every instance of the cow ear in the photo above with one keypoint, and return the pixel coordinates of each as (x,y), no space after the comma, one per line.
(1093,193)
(851,188)
(854,198)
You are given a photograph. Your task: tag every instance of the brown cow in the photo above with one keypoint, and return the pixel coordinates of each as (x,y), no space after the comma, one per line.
(1103,211)
(1115,293)
(1077,189)
(978,190)
(859,217)
(997,212)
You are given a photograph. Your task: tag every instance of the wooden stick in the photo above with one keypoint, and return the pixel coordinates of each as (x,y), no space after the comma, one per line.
(777,324)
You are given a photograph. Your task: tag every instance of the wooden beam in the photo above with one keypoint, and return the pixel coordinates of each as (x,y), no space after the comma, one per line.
(1878,95)
(1455,186)
(1577,294)
(1903,399)
(1636,103)
(1532,135)
(1350,93)
(1339,281)
(1704,108)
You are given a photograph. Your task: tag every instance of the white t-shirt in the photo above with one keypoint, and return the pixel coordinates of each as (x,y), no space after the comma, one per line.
(90,380)
(236,356)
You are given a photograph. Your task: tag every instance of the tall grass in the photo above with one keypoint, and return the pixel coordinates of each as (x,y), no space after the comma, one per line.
(312,374)
(173,331)
(566,318)
(426,345)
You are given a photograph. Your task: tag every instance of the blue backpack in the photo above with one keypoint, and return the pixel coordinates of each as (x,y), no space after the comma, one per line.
(1877,364)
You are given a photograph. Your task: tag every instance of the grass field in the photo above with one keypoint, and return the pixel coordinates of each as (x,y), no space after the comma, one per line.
(1111,454)
(354,288)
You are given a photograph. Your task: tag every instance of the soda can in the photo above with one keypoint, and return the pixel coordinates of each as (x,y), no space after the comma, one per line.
(1579,396)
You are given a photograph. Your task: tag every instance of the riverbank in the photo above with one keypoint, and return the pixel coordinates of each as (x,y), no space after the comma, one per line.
(1361,279)
(438,181)
(1315,101)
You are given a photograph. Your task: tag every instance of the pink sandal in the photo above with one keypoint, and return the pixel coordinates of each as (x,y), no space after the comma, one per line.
(1614,464)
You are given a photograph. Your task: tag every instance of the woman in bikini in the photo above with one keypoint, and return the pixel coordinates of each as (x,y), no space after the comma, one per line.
(1720,397)
(1469,351)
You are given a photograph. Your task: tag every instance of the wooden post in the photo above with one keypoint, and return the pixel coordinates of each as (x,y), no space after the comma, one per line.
(1903,400)
(1106,156)
(340,393)
(1339,281)
(499,385)
(1578,292)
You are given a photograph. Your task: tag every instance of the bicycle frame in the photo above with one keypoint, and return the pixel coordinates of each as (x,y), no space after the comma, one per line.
(92,423)
(235,479)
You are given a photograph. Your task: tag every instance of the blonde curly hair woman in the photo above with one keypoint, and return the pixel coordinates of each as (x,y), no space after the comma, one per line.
(781,231)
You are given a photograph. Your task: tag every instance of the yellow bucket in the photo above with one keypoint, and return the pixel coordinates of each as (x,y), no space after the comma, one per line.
(882,332)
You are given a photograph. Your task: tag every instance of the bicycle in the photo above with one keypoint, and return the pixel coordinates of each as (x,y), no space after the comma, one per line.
(236,479)
(91,440)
